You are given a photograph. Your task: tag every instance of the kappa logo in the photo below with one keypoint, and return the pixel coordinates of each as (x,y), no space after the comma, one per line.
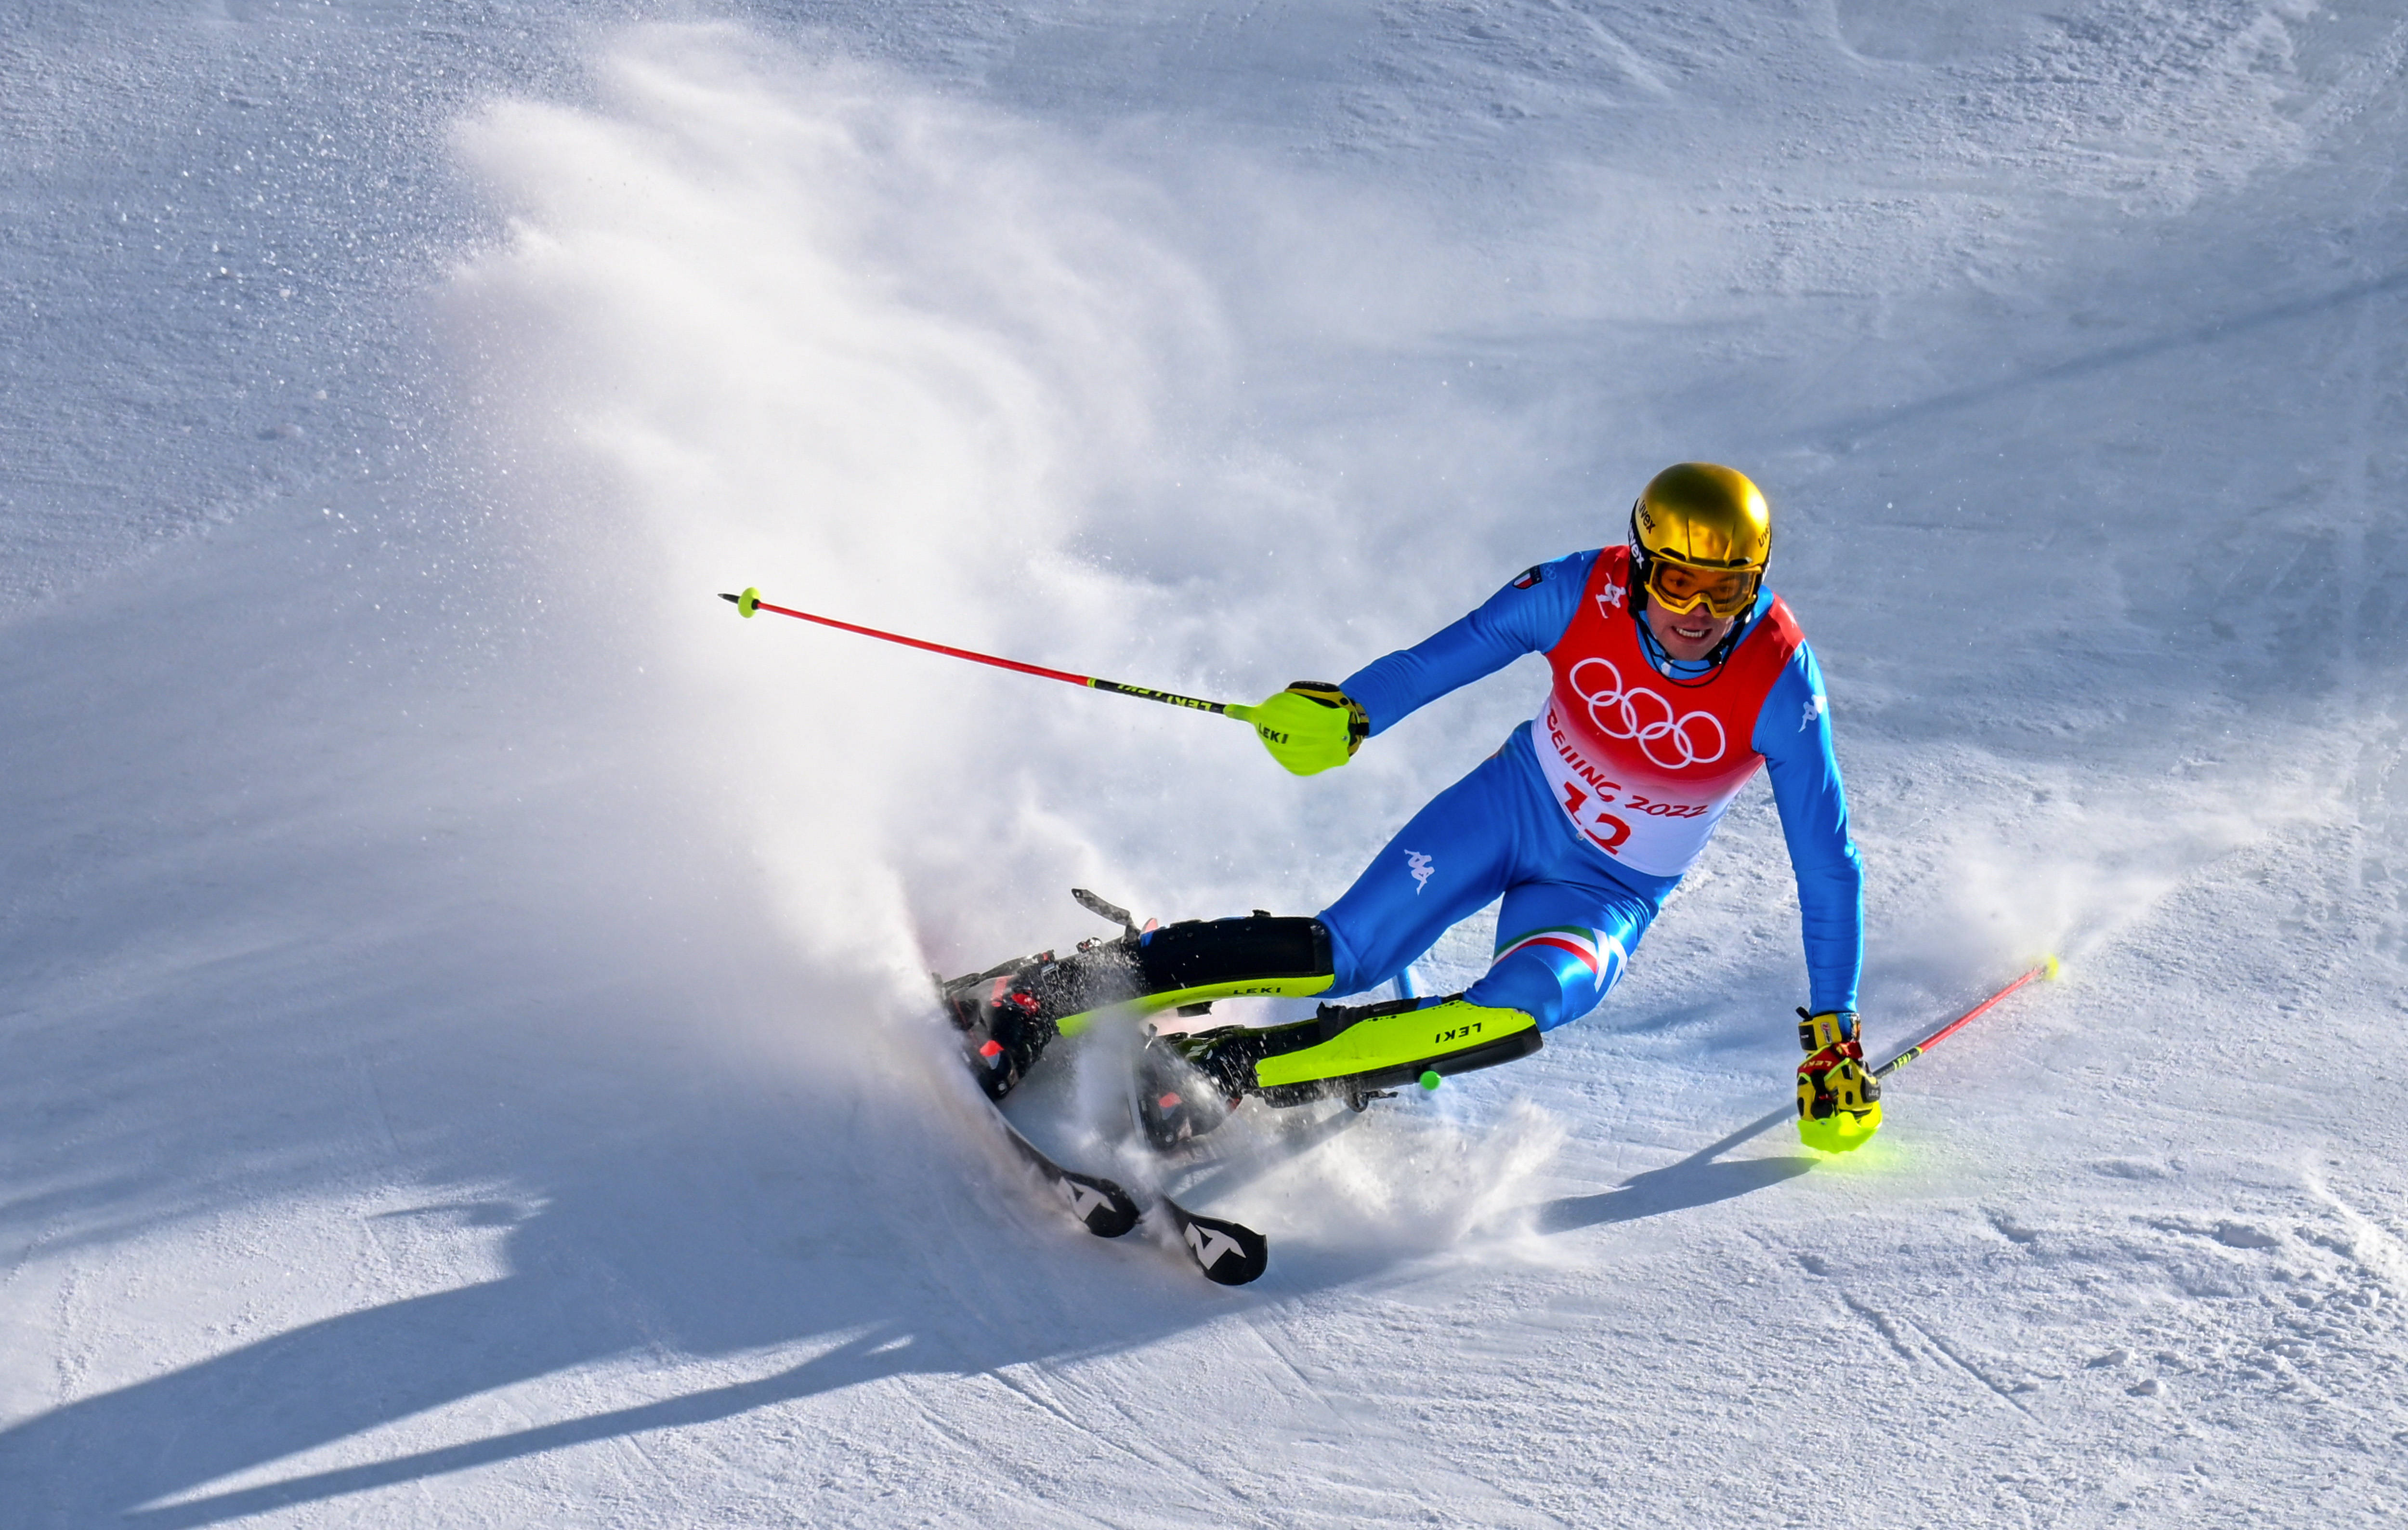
(1084,1199)
(1814,707)
(1423,868)
(1209,1247)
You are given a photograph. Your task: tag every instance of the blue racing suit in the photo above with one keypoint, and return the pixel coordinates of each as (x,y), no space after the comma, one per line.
(1572,915)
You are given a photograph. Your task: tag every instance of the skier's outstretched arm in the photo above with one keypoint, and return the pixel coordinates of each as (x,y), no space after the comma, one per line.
(1838,1103)
(1793,733)
(1312,726)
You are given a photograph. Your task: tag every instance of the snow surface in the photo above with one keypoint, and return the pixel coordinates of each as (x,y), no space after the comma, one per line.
(463,1057)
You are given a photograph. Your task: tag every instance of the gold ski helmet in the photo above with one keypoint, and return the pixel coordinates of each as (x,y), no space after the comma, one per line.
(1701,535)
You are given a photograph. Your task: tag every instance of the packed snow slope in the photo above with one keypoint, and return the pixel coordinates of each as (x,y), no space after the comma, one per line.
(464,1048)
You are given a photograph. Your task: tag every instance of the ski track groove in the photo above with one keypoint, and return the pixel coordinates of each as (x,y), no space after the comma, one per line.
(932,1416)
(2388,1261)
(1152,1435)
(1970,1369)
(1140,1448)
(1881,1324)
(1254,1324)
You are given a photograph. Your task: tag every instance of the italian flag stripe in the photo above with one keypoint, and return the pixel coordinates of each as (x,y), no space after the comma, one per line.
(1580,943)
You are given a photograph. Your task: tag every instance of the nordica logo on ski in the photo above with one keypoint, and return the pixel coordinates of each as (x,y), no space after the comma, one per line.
(1208,1245)
(1084,1199)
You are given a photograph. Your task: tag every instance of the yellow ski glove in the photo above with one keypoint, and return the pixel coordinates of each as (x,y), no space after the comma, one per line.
(1839,1100)
(1311,727)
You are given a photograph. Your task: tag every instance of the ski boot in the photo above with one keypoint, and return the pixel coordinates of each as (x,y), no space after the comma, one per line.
(1177,1101)
(1188,1084)
(1003,1023)
(1007,1014)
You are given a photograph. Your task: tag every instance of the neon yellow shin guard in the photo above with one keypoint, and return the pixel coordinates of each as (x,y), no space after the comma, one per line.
(1381,1046)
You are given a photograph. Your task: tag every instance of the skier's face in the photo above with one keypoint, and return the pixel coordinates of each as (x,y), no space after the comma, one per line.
(1687,636)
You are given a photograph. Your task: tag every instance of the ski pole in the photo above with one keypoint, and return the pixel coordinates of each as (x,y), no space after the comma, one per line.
(750,602)
(2048,967)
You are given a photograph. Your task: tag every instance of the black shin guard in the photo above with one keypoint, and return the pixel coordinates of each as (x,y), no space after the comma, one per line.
(1010,1013)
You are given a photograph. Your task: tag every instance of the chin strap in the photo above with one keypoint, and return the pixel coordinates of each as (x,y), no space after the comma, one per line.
(1653,648)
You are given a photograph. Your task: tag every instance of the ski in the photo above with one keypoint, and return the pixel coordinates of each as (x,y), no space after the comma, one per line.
(1229,1253)
(1226,1252)
(1101,1206)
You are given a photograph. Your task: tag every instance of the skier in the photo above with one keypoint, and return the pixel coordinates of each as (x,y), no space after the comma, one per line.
(1676,674)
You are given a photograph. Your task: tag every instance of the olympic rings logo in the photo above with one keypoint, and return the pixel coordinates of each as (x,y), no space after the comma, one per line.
(1641,715)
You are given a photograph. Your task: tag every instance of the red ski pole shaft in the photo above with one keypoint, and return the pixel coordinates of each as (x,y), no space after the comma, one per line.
(750,602)
(2048,968)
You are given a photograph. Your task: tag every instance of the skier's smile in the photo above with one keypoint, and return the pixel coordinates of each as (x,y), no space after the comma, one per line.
(1687,636)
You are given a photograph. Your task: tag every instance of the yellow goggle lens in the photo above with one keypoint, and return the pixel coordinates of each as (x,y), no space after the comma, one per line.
(1680,589)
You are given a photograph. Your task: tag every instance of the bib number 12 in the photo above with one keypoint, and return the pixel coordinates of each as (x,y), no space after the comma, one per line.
(1615,830)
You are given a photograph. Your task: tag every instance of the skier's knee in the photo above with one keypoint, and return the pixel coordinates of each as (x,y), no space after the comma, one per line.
(1345,965)
(1533,987)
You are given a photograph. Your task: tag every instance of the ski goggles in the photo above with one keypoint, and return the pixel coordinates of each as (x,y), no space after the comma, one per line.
(1680,589)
